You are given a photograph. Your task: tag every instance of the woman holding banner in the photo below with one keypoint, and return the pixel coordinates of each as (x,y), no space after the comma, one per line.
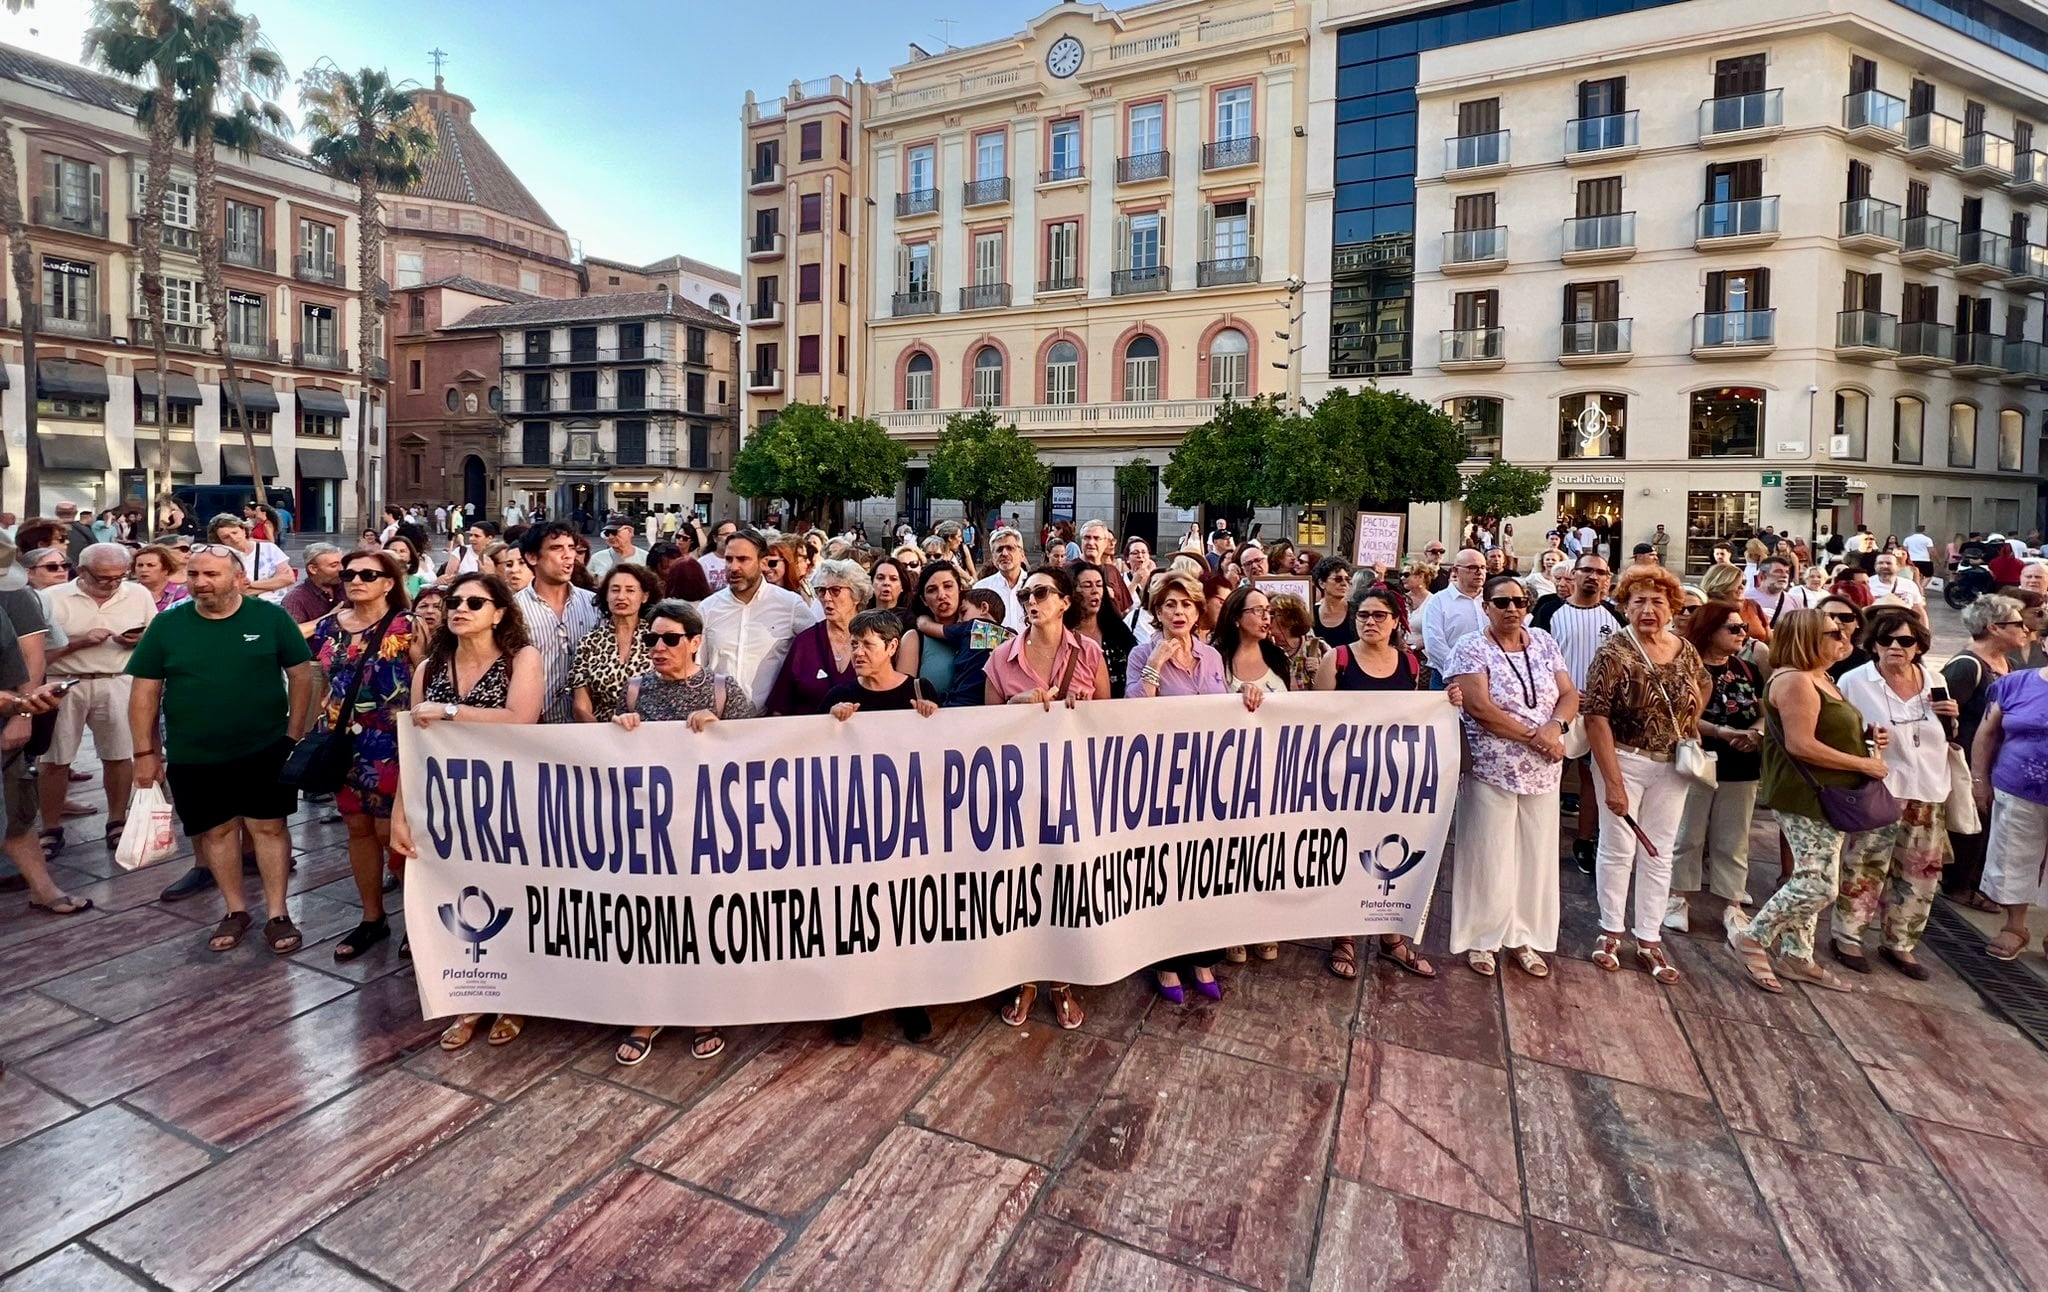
(1251,661)
(677,690)
(1518,702)
(1049,662)
(480,668)
(617,648)
(1373,663)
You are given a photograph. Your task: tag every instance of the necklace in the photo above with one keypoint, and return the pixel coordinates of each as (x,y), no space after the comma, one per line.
(1911,718)
(1525,672)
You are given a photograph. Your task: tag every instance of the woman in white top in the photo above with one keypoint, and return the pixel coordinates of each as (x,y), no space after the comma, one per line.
(1252,662)
(269,570)
(1893,872)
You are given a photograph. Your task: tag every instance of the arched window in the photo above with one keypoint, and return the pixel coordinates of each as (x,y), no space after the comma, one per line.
(988,377)
(917,382)
(1478,419)
(1852,417)
(1141,370)
(1230,359)
(1962,435)
(1909,430)
(720,306)
(2012,426)
(1063,374)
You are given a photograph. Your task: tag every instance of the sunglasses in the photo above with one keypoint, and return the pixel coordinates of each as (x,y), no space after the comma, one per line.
(54,565)
(1835,634)
(469,603)
(366,576)
(1904,641)
(1508,603)
(670,640)
(215,549)
(1737,629)
(1841,618)
(1040,592)
(2010,623)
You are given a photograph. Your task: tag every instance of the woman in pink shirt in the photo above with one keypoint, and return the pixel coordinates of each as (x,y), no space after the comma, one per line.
(1045,664)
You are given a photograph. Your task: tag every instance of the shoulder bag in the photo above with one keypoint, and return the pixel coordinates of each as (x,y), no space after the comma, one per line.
(1853,809)
(319,763)
(1692,760)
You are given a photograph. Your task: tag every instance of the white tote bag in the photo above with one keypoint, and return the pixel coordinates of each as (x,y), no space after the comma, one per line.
(152,831)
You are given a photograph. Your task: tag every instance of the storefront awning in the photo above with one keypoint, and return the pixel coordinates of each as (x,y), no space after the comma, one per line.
(317,399)
(234,459)
(70,379)
(255,398)
(74,452)
(322,464)
(184,455)
(182,388)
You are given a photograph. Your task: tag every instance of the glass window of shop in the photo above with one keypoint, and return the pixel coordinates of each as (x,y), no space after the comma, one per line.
(1727,422)
(1718,516)
(1909,430)
(1592,425)
(1478,419)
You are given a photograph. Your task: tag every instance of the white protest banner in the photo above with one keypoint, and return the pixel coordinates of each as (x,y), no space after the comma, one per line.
(780,869)
(1379,539)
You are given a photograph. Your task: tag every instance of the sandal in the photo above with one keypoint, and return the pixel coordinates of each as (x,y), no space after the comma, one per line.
(505,1030)
(114,829)
(1267,950)
(1481,962)
(1651,954)
(1402,952)
(1812,973)
(634,1049)
(2006,945)
(1976,901)
(1530,963)
(227,935)
(1756,960)
(460,1031)
(707,1044)
(1344,958)
(1607,952)
(360,939)
(1235,955)
(282,935)
(63,904)
(52,842)
(1019,1008)
(1065,1009)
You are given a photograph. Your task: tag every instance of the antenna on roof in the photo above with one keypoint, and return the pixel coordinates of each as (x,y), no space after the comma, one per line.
(947,25)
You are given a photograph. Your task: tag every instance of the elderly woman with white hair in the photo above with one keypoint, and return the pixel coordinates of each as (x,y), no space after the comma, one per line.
(821,656)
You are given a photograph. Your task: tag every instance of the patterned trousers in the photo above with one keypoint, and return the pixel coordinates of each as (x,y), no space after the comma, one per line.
(1785,923)
(1894,872)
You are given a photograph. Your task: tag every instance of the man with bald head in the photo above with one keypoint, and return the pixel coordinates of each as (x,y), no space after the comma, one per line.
(99,616)
(1452,613)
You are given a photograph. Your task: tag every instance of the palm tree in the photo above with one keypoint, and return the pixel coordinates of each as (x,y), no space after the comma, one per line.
(224,69)
(364,131)
(140,40)
(23,258)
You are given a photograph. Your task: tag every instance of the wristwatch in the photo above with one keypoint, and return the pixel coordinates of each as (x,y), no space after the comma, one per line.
(448,711)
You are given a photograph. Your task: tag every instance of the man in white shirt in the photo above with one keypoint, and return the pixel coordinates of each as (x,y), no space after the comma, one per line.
(440,520)
(749,623)
(618,538)
(101,615)
(1452,613)
(1885,582)
(514,514)
(1006,546)
(1589,538)
(1920,549)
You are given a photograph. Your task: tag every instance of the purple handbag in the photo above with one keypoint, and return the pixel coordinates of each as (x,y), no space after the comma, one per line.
(1869,806)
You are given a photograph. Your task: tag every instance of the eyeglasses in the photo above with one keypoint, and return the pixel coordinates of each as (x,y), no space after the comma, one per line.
(1040,592)
(1374,616)
(1508,603)
(1841,618)
(1903,641)
(54,565)
(1471,569)
(670,640)
(1264,612)
(2010,623)
(367,576)
(469,603)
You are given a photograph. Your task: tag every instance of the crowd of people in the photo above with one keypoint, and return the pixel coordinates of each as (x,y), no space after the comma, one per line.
(1659,715)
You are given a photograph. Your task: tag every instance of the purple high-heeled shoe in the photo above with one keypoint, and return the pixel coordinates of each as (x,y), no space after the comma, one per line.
(1212,989)
(1174,994)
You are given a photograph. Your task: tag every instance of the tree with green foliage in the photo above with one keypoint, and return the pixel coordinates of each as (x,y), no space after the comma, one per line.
(982,461)
(1134,479)
(1222,462)
(818,462)
(1505,491)
(1383,450)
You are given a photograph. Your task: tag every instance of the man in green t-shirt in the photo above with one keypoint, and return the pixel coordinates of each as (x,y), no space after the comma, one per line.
(218,668)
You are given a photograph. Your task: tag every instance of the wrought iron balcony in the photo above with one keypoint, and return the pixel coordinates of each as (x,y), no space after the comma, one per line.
(1134,282)
(249,255)
(1143,166)
(377,368)
(1061,174)
(1060,283)
(316,269)
(985,192)
(175,237)
(904,304)
(89,323)
(331,360)
(256,351)
(923,201)
(1227,153)
(1228,271)
(985,296)
(177,336)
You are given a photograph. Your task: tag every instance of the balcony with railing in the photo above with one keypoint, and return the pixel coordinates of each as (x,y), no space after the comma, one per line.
(53,212)
(177,336)
(1870,225)
(906,304)
(1592,238)
(249,254)
(2028,269)
(81,322)
(653,351)
(1929,241)
(765,312)
(1062,174)
(694,356)
(332,360)
(985,296)
(175,237)
(1474,251)
(377,368)
(518,405)
(1168,417)
(1866,335)
(1141,167)
(764,246)
(1227,154)
(2030,175)
(1875,118)
(1724,334)
(1925,347)
(1736,118)
(316,269)
(1983,255)
(1596,341)
(921,201)
(1979,354)
(1471,156)
(764,380)
(1472,349)
(380,291)
(1933,141)
(1601,139)
(1987,159)
(1139,281)
(254,351)
(985,192)
(764,177)
(1060,283)
(692,458)
(1744,222)
(2024,362)
(1229,271)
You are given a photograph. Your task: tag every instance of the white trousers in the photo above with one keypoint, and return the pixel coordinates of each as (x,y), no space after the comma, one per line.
(2016,852)
(1713,834)
(1656,799)
(1504,877)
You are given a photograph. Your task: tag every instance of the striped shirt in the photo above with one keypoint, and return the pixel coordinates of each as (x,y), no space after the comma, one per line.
(1579,632)
(555,637)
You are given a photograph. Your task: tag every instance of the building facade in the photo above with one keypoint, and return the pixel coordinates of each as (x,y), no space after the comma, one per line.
(288,235)
(717,290)
(448,427)
(1685,253)
(609,403)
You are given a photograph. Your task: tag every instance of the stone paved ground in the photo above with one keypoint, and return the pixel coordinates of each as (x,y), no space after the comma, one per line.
(171,1118)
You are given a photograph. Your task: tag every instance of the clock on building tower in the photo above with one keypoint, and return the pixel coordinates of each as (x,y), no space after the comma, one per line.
(1064,58)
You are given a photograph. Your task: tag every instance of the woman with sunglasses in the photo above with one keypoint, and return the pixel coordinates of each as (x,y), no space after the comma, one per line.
(787,564)
(1849,617)
(1644,692)
(1372,663)
(1997,632)
(1713,831)
(1517,702)
(820,657)
(1892,872)
(617,649)
(677,689)
(1807,722)
(1049,663)
(1332,582)
(365,647)
(1251,661)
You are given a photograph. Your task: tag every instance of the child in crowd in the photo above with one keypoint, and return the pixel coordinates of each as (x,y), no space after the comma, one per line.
(979,631)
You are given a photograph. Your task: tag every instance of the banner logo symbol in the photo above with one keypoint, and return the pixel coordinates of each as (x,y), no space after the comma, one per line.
(457,921)
(1392,859)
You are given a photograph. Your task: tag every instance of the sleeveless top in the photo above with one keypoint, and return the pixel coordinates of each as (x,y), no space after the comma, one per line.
(491,691)
(1782,789)
(1350,677)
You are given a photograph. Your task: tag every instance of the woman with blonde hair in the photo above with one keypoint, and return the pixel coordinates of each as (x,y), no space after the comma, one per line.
(1722,583)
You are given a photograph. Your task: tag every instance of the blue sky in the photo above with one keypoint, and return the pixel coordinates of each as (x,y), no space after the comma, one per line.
(622,116)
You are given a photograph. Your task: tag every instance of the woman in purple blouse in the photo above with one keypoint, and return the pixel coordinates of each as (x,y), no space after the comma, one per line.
(821,656)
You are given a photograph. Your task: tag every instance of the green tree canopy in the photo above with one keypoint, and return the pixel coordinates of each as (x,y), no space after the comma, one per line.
(816,460)
(983,462)
(1134,478)
(1506,490)
(1222,462)
(1386,449)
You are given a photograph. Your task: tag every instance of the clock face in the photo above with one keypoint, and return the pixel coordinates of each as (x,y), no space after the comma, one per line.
(1064,58)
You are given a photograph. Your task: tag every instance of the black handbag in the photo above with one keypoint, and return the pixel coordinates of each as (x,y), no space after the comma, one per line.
(319,763)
